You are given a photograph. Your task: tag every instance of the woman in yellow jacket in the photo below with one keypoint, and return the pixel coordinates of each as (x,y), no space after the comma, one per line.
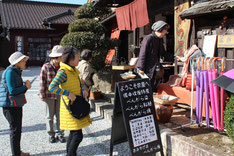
(67,84)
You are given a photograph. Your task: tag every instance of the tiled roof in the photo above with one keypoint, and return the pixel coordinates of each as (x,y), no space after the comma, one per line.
(212,6)
(30,15)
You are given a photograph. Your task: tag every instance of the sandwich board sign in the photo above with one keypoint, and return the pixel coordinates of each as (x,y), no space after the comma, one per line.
(134,118)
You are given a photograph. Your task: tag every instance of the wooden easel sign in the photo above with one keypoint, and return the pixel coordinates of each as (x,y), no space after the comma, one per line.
(138,117)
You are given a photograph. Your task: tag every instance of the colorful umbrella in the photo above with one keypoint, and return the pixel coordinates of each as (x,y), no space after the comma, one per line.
(197,90)
(222,97)
(212,101)
(226,81)
(206,88)
(201,93)
(216,94)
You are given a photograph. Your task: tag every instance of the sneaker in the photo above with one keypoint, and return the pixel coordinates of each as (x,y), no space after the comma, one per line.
(61,138)
(52,139)
(24,154)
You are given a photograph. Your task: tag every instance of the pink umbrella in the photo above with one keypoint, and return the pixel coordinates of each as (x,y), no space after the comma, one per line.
(216,94)
(206,87)
(222,96)
(212,100)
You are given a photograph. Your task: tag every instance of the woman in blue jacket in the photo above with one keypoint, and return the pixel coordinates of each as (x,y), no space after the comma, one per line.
(15,86)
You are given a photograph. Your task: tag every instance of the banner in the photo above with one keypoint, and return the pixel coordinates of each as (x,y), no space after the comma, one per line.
(181,27)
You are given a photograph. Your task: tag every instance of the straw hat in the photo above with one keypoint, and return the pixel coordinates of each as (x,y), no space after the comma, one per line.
(57,51)
(16,57)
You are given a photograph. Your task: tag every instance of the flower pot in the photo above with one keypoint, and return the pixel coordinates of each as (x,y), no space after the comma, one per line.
(163,112)
(95,94)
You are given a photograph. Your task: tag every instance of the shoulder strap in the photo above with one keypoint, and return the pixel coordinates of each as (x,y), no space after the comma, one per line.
(66,104)
(4,79)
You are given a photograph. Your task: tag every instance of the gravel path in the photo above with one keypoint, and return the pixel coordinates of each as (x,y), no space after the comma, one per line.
(35,139)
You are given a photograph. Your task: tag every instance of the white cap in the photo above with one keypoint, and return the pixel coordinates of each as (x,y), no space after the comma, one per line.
(57,51)
(16,57)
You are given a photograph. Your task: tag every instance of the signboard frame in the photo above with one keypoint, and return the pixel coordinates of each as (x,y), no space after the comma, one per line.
(135,121)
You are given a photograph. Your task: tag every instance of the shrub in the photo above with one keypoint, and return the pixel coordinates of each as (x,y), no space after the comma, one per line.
(229,118)
(87,32)
(87,24)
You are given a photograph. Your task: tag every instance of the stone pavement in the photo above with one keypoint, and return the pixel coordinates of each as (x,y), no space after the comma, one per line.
(34,136)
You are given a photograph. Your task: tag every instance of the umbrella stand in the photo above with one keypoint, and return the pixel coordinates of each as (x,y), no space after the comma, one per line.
(192,93)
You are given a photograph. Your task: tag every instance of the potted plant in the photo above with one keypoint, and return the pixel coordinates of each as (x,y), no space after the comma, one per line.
(95,93)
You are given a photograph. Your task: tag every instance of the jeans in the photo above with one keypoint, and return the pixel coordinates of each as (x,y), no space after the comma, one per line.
(74,139)
(14,117)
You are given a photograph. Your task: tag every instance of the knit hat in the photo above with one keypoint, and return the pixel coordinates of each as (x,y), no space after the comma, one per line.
(16,57)
(158,25)
(57,51)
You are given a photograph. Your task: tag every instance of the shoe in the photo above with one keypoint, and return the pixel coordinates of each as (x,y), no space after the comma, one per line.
(24,154)
(61,138)
(52,139)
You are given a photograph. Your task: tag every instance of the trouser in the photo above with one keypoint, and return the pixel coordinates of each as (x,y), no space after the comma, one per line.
(73,141)
(14,117)
(52,109)
(155,82)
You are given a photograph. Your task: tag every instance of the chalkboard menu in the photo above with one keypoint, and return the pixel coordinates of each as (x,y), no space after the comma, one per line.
(138,117)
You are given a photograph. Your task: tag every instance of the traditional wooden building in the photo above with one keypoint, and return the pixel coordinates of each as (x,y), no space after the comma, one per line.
(190,21)
(213,19)
(32,28)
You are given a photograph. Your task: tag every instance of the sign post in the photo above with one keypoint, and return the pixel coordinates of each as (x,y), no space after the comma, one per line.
(134,118)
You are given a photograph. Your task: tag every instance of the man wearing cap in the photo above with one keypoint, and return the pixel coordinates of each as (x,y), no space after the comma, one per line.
(12,99)
(151,50)
(48,72)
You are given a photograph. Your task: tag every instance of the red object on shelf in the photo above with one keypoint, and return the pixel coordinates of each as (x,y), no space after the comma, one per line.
(95,95)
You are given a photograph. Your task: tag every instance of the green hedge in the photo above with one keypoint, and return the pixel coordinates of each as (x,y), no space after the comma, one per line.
(229,117)
(87,24)
(89,11)
(80,40)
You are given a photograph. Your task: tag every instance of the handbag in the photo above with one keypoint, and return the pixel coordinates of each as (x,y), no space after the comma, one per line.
(14,100)
(79,109)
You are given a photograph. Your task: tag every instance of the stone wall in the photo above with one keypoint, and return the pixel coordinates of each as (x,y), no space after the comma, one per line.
(105,81)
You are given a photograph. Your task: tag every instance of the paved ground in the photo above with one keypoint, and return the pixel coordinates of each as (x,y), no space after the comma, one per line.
(35,139)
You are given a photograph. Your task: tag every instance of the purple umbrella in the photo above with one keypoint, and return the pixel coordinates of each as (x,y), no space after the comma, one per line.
(212,101)
(197,90)
(206,87)
(216,94)
(201,93)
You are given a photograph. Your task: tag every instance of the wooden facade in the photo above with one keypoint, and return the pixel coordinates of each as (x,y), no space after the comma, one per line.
(41,26)
(202,24)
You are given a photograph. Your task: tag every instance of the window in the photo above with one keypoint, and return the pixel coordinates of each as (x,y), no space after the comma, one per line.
(38,48)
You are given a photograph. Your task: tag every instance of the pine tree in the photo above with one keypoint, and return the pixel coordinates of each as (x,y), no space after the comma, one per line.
(87,33)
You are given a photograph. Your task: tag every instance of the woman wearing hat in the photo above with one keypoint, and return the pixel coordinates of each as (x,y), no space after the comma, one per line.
(48,72)
(151,50)
(15,86)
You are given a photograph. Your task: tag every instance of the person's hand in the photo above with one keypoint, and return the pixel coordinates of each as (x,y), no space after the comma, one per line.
(28,84)
(43,99)
(72,97)
(85,94)
(177,58)
(141,72)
